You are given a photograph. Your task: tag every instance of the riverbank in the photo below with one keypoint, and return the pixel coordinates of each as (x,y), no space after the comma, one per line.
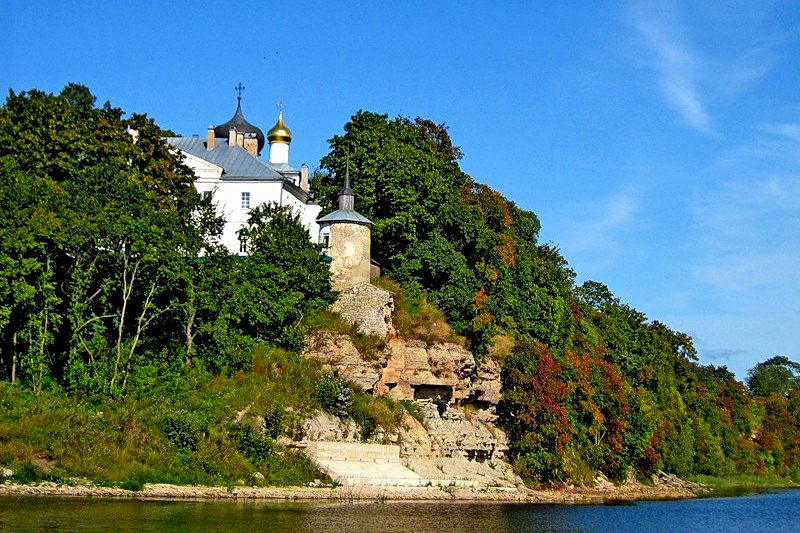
(627,491)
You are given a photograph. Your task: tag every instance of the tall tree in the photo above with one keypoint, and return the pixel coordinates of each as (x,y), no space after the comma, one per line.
(283,277)
(778,374)
(101,220)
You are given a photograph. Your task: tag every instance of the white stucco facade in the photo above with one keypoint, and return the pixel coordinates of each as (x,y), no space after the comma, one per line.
(230,171)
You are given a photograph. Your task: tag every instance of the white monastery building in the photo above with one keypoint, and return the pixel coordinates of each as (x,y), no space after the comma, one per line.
(227,167)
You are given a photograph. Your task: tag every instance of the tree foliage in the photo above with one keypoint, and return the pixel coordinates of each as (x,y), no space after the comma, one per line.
(591,383)
(778,375)
(467,246)
(110,281)
(107,250)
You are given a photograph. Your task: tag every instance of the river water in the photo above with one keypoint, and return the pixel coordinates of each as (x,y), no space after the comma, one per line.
(769,511)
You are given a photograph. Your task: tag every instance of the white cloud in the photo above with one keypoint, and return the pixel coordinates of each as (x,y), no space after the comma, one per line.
(788,131)
(599,229)
(745,271)
(673,60)
(775,148)
(748,212)
(746,68)
(747,237)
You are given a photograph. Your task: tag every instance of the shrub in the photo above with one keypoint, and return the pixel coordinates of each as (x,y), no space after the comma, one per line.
(183,429)
(273,420)
(134,484)
(334,395)
(417,318)
(256,447)
(29,473)
(413,409)
(373,412)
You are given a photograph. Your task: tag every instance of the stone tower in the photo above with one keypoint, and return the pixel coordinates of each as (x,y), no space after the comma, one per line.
(346,234)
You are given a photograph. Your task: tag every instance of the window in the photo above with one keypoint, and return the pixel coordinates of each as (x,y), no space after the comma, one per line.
(242,246)
(326,241)
(245,200)
(206,195)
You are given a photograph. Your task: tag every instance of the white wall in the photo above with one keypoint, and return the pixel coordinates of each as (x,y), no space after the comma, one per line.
(227,195)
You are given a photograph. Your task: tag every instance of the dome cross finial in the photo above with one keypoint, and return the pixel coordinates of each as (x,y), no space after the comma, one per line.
(239,90)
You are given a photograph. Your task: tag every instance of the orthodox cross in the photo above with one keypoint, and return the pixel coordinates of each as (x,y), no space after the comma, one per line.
(239,89)
(280,107)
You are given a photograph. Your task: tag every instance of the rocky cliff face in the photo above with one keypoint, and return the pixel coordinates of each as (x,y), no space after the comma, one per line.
(457,396)
(412,370)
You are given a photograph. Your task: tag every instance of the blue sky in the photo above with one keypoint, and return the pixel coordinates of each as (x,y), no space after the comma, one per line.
(659,142)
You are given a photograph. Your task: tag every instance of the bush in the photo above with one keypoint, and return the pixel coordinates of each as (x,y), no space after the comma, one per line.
(273,420)
(183,429)
(334,395)
(415,317)
(285,467)
(413,409)
(135,484)
(29,473)
(255,447)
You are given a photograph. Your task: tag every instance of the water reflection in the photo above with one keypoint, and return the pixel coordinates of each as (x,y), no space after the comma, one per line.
(62,514)
(758,512)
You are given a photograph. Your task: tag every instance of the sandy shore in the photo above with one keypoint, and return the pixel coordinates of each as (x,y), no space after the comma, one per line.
(628,491)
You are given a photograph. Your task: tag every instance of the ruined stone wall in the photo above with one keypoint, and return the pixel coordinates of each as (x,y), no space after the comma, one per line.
(349,249)
(368,307)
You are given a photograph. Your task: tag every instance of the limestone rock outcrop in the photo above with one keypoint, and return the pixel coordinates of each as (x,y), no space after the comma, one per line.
(412,370)
(329,428)
(341,358)
(456,438)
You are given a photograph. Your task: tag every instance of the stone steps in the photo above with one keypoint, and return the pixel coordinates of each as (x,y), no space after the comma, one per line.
(350,463)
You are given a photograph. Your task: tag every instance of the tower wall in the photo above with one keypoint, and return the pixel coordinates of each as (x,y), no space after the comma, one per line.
(278,152)
(349,249)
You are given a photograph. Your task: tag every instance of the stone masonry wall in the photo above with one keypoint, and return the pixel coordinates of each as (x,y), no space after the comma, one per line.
(350,250)
(367,306)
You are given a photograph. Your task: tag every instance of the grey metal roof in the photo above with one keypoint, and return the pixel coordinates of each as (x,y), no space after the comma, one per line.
(346,215)
(235,160)
(299,193)
(284,167)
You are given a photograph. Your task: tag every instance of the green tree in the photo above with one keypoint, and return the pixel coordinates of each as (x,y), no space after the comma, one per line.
(402,172)
(778,374)
(274,289)
(100,225)
(465,245)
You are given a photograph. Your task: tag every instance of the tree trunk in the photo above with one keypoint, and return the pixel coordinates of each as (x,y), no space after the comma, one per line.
(190,334)
(127,290)
(14,359)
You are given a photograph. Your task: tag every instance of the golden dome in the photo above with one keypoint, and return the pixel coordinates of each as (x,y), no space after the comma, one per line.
(279,132)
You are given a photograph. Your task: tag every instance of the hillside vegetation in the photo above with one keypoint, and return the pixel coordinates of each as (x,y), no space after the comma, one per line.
(123,326)
(590,383)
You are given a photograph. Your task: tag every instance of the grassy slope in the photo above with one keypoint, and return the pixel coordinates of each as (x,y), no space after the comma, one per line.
(743,482)
(185,432)
(197,430)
